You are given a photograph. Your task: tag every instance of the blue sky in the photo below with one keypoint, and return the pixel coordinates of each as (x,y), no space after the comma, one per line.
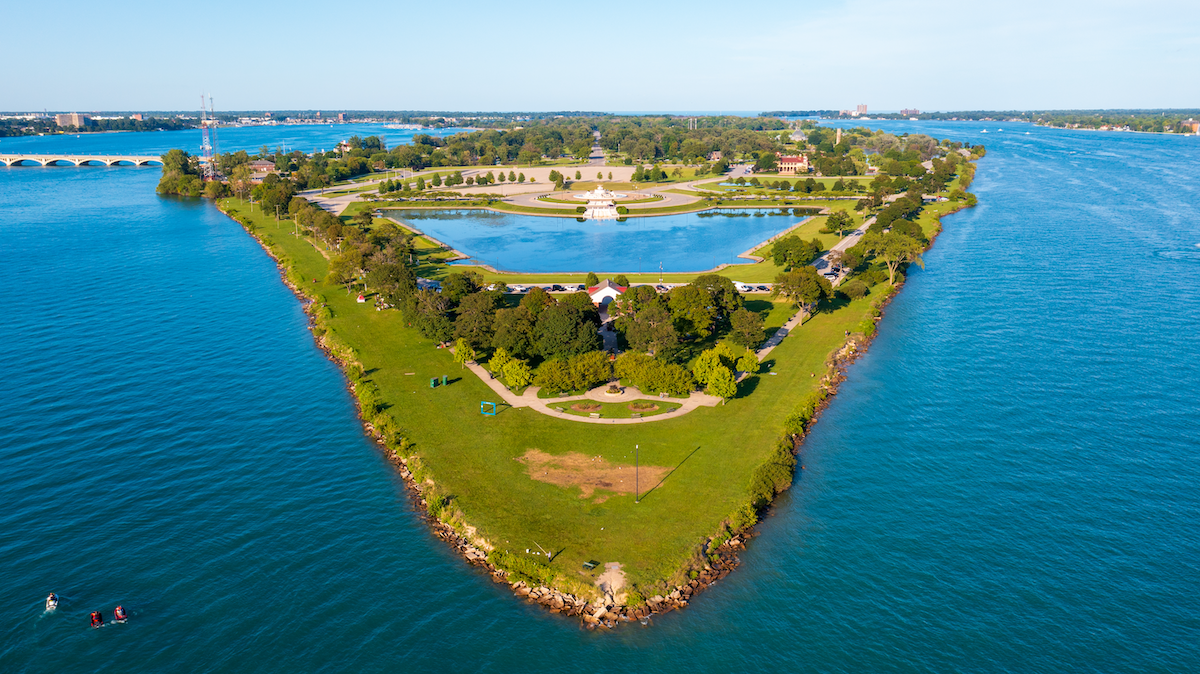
(622,55)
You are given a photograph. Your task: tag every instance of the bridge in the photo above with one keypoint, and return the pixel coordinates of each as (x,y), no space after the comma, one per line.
(80,159)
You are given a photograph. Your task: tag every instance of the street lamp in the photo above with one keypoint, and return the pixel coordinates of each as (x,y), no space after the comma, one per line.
(637,496)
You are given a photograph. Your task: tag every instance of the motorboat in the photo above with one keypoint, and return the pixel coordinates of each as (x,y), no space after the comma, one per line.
(51,602)
(119,615)
(97,619)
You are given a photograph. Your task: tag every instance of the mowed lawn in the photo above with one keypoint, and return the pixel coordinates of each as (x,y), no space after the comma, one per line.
(473,457)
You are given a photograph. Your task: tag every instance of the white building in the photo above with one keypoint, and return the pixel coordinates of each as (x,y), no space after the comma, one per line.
(606,292)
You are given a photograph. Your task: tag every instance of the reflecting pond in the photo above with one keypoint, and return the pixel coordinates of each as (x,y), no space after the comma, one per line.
(533,243)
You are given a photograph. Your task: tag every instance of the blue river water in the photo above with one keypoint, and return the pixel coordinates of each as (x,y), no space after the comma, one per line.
(1006,482)
(536,243)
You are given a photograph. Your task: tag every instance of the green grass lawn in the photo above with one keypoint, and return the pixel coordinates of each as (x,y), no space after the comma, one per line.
(616,410)
(471,457)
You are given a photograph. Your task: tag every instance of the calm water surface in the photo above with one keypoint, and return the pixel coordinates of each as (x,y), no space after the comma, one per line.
(1007,481)
(535,243)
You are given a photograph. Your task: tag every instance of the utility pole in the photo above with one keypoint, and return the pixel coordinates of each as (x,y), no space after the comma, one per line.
(637,485)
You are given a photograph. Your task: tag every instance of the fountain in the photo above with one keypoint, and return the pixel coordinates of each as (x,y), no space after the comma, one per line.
(601,204)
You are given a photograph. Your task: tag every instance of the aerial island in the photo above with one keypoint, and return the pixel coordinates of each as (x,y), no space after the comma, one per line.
(603,441)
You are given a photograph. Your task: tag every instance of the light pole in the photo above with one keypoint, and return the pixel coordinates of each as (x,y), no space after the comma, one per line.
(636,474)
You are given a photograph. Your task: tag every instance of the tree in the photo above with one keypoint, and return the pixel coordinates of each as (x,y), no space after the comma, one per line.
(599,175)
(517,374)
(894,249)
(692,310)
(520,177)
(561,331)
(436,181)
(498,360)
(537,299)
(804,286)
(554,375)
(514,331)
(459,285)
(748,363)
(610,175)
(592,280)
(722,384)
(725,295)
(709,362)
(420,183)
(512,177)
(393,281)
(578,175)
(747,328)
(463,353)
(651,330)
(622,280)
(838,221)
(476,317)
(590,369)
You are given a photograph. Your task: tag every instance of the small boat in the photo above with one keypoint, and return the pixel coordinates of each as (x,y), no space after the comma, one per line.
(51,602)
(97,619)
(119,615)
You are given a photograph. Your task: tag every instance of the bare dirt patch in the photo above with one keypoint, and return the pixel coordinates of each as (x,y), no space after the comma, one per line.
(612,580)
(589,473)
(585,407)
(643,407)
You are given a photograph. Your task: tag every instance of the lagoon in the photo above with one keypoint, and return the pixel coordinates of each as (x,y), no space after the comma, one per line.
(535,243)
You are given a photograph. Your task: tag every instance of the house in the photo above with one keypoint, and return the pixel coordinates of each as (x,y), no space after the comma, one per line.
(262,166)
(928,166)
(606,292)
(715,156)
(792,165)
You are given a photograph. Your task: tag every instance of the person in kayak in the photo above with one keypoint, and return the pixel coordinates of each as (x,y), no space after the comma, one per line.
(119,614)
(97,619)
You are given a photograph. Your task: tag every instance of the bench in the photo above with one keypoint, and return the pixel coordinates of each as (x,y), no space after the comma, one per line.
(559,409)
(635,415)
(594,415)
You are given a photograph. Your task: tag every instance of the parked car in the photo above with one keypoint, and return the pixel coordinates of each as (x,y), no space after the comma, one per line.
(556,288)
(581,287)
(660,288)
(764,289)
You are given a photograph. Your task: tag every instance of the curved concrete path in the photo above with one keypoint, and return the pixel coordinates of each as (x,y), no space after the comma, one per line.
(528,398)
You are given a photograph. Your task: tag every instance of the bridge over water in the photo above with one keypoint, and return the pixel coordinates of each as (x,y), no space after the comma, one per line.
(80,159)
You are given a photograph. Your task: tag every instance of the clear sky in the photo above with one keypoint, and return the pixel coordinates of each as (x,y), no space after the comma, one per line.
(610,56)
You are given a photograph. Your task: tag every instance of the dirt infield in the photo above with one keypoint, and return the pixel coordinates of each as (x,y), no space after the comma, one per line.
(589,473)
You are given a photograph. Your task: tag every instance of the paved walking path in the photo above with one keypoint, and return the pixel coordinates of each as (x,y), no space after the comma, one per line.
(529,399)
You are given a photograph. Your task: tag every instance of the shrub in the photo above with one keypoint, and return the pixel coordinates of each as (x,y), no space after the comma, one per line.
(743,518)
(622,210)
(521,568)
(580,209)
(854,289)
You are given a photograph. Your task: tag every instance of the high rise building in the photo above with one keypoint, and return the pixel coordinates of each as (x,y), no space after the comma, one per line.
(72,119)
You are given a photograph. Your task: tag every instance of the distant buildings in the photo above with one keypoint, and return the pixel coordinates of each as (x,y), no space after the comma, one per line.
(910,112)
(72,119)
(858,111)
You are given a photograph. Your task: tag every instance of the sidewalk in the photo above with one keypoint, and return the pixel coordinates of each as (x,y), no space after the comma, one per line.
(529,399)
